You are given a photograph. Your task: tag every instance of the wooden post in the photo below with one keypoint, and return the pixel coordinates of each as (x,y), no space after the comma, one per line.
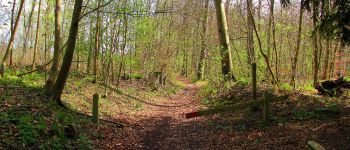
(267,97)
(254,87)
(96,98)
(254,82)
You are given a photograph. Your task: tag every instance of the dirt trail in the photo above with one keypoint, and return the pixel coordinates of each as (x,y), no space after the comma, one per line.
(163,126)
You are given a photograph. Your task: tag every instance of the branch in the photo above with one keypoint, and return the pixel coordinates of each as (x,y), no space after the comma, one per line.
(29,72)
(260,47)
(95,9)
(49,62)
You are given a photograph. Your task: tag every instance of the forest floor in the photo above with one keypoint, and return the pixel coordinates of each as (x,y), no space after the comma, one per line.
(155,120)
(163,126)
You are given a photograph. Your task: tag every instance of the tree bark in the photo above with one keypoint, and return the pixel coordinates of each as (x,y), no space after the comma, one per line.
(315,46)
(67,60)
(12,23)
(57,55)
(122,61)
(296,55)
(250,48)
(326,61)
(226,60)
(203,53)
(36,37)
(88,66)
(97,40)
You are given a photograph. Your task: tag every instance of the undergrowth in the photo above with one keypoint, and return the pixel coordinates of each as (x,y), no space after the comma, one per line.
(28,120)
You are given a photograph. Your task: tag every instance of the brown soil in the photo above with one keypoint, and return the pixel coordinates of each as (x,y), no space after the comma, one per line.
(163,126)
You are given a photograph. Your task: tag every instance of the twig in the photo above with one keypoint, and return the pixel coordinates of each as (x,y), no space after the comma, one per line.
(95,9)
(49,62)
(260,47)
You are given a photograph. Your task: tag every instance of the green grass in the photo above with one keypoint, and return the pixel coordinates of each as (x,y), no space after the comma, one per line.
(286,87)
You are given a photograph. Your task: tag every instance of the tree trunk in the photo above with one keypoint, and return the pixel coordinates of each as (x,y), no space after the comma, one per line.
(268,40)
(27,34)
(57,55)
(334,61)
(326,61)
(67,60)
(315,48)
(259,13)
(12,39)
(88,66)
(295,58)
(203,53)
(226,61)
(12,23)
(47,26)
(97,40)
(260,46)
(274,39)
(250,48)
(36,37)
(122,61)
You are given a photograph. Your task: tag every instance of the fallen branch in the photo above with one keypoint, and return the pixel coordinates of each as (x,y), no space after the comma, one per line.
(232,108)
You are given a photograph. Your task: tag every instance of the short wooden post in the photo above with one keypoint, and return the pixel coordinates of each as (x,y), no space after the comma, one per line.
(254,108)
(96,98)
(267,98)
(254,82)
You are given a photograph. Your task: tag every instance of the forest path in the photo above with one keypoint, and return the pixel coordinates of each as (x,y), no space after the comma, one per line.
(163,126)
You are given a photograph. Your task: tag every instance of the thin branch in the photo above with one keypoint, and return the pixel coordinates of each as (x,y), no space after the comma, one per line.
(39,68)
(260,47)
(95,9)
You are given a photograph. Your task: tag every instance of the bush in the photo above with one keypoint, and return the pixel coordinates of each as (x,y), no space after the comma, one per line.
(286,87)
(242,81)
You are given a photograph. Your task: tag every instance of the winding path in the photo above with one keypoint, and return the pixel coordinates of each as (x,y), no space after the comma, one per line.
(163,126)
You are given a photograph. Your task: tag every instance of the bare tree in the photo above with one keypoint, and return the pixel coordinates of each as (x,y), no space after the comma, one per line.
(57,55)
(12,39)
(68,57)
(36,36)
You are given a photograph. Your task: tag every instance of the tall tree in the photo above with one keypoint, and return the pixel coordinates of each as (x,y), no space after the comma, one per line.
(57,55)
(97,40)
(296,54)
(12,23)
(226,60)
(315,39)
(36,36)
(250,47)
(88,66)
(28,28)
(12,39)
(203,52)
(68,57)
